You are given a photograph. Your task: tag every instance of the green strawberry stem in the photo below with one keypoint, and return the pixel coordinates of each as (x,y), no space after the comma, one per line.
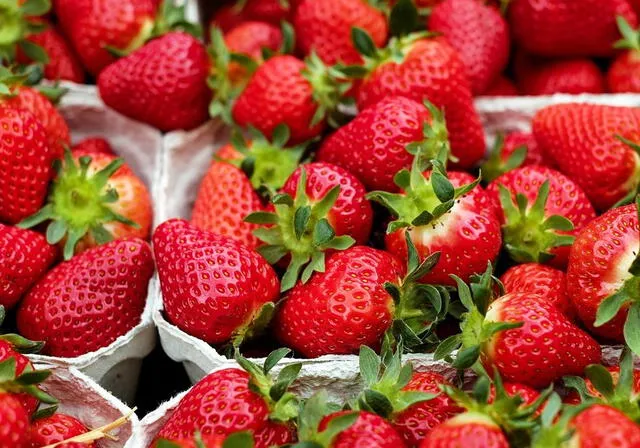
(528,234)
(494,167)
(16,26)
(79,204)
(554,430)
(27,382)
(630,37)
(257,325)
(312,413)
(299,228)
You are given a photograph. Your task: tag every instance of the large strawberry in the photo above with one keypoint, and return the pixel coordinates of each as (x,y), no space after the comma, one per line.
(56,428)
(25,165)
(423,69)
(163,84)
(566,27)
(603,277)
(623,73)
(594,146)
(479,33)
(232,294)
(538,76)
(24,257)
(549,209)
(232,399)
(88,302)
(324,27)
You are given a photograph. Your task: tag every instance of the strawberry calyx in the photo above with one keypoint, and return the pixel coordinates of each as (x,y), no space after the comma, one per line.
(619,395)
(16,27)
(299,227)
(79,204)
(528,233)
(242,439)
(268,164)
(27,382)
(554,430)
(627,296)
(495,166)
(12,78)
(630,37)
(275,391)
(19,343)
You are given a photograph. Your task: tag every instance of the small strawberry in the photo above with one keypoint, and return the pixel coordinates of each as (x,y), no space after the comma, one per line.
(479,33)
(94,199)
(93,145)
(539,279)
(25,256)
(515,150)
(623,75)
(231,400)
(549,210)
(603,277)
(88,302)
(56,428)
(501,86)
(25,165)
(232,294)
(594,146)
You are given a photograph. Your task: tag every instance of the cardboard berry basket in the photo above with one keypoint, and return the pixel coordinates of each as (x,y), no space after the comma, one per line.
(116,367)
(84,399)
(185,161)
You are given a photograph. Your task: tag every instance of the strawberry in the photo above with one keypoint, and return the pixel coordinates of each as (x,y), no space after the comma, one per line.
(271,11)
(231,400)
(374,146)
(623,73)
(56,428)
(25,164)
(162,84)
(91,146)
(251,39)
(535,278)
(603,275)
(234,289)
(584,142)
(324,27)
(14,422)
(471,430)
(538,76)
(88,302)
(566,28)
(501,86)
(285,90)
(228,17)
(12,347)
(516,149)
(549,211)
(25,256)
(528,394)
(94,199)
(20,19)
(423,69)
(479,33)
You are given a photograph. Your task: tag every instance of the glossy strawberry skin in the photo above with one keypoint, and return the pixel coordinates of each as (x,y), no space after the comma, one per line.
(545,348)
(373,145)
(324,26)
(598,265)
(345,307)
(162,84)
(600,426)
(14,423)
(29,403)
(25,165)
(432,70)
(24,257)
(479,33)
(56,428)
(369,430)
(279,93)
(88,302)
(467,237)
(622,76)
(352,213)
(468,430)
(568,28)
(501,86)
(548,77)
(225,197)
(212,285)
(415,422)
(220,404)
(566,199)
(581,139)
(573,397)
(547,282)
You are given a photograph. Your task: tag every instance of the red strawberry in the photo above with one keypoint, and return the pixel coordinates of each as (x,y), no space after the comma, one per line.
(162,84)
(479,33)
(537,76)
(623,75)
(9,350)
(92,26)
(324,26)
(88,302)
(528,394)
(517,149)
(56,428)
(24,257)
(555,210)
(502,86)
(368,430)
(228,17)
(469,430)
(272,11)
(25,165)
(425,69)
(545,281)
(600,426)
(93,145)
(232,289)
(582,139)
(567,28)
(232,400)
(14,422)
(603,276)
